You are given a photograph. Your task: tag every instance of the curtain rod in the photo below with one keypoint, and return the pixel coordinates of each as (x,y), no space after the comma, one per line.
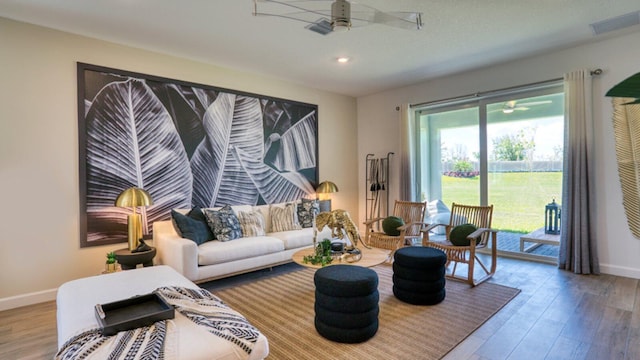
(491,92)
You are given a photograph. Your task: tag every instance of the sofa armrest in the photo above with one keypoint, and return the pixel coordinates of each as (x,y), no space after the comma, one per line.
(175,251)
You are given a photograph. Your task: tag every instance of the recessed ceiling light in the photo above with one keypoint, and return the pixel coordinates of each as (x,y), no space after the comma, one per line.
(343,59)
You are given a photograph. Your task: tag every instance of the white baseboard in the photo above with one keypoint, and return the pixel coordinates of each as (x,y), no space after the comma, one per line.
(27,299)
(633,273)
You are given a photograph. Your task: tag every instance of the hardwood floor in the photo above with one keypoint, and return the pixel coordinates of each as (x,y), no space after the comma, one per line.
(558,315)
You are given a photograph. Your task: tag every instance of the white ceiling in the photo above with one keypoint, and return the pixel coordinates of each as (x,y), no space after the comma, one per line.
(457,35)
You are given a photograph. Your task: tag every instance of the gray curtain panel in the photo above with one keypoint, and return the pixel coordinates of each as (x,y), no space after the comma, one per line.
(578,246)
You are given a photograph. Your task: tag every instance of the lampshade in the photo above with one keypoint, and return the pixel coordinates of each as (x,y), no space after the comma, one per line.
(133,197)
(326,187)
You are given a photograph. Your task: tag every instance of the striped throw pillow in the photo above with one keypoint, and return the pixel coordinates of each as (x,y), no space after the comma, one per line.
(251,223)
(283,218)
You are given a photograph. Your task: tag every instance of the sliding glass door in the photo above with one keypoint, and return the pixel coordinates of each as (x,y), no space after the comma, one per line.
(503,150)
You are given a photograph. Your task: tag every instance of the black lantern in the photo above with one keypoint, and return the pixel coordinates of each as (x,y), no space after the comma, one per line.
(552,218)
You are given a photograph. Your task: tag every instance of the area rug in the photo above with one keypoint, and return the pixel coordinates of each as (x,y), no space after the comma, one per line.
(282,308)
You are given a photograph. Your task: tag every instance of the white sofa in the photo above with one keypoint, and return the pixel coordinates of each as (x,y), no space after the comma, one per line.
(216,259)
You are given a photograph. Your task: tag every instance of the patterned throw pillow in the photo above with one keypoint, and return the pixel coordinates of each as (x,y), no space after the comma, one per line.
(251,223)
(283,218)
(224,223)
(307,209)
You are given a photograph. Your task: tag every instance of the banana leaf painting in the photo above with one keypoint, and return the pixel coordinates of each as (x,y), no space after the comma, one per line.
(187,145)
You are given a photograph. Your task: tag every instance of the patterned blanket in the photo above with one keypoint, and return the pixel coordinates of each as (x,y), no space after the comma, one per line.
(156,341)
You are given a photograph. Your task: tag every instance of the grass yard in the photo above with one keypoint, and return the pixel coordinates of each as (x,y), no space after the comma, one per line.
(518,199)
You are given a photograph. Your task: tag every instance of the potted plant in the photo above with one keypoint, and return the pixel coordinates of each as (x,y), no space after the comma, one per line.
(110,265)
(322,254)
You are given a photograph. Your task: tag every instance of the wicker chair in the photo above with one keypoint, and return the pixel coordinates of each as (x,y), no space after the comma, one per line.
(480,216)
(413,215)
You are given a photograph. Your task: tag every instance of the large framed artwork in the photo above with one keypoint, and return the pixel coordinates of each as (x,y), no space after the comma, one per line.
(187,145)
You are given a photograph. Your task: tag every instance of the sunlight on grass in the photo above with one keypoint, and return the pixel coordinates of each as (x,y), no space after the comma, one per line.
(518,199)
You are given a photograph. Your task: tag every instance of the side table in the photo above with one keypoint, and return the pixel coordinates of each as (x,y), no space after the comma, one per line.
(129,260)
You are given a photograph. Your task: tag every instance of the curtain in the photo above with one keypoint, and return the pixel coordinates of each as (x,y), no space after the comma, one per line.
(578,247)
(408,180)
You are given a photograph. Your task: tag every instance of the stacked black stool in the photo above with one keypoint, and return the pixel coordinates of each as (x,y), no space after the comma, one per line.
(346,304)
(418,275)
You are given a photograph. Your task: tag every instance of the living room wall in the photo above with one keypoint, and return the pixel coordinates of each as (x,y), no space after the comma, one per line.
(616,55)
(40,245)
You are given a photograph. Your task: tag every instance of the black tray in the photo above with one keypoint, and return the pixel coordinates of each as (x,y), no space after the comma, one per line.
(135,312)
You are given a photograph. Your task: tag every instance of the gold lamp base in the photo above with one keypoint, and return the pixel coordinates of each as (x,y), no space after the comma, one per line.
(134,223)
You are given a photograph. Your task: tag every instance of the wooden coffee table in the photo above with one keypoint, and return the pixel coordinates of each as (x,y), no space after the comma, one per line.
(370,257)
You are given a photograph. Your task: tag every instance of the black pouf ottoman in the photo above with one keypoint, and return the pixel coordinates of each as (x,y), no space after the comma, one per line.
(418,275)
(346,306)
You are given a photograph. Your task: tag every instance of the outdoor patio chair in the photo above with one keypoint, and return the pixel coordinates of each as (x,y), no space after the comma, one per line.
(480,217)
(412,213)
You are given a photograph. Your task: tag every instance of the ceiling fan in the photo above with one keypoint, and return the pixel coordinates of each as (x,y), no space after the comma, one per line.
(341,16)
(513,105)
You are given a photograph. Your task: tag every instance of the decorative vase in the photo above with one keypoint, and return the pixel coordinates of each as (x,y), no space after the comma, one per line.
(110,267)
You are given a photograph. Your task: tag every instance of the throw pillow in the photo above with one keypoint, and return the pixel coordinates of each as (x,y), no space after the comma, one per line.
(251,223)
(224,223)
(390,225)
(190,228)
(458,235)
(307,210)
(283,218)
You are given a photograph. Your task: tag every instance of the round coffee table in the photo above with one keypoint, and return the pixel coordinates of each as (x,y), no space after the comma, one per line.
(370,257)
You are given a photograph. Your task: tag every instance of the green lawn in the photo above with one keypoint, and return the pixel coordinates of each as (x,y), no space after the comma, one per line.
(518,199)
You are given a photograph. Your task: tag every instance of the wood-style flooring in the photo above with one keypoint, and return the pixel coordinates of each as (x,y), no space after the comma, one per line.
(558,315)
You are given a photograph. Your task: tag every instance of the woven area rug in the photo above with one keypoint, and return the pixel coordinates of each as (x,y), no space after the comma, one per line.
(282,308)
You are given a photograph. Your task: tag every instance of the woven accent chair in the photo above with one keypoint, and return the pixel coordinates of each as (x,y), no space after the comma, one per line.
(479,216)
(413,215)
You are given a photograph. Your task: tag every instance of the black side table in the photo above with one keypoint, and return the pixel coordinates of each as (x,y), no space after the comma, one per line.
(129,260)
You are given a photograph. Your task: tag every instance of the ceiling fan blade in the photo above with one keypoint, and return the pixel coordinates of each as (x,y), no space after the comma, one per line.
(361,15)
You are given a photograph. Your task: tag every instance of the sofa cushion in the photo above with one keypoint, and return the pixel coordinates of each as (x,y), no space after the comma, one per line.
(224,223)
(217,252)
(251,223)
(284,218)
(307,210)
(300,238)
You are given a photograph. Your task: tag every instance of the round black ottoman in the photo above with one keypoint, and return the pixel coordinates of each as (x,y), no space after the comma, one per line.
(418,275)
(346,306)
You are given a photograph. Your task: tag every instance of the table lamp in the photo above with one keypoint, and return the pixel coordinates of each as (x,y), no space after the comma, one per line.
(134,197)
(323,190)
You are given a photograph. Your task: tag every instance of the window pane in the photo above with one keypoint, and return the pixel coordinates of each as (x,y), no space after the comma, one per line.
(451,168)
(525,148)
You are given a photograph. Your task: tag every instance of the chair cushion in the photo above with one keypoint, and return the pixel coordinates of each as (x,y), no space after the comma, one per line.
(458,235)
(390,225)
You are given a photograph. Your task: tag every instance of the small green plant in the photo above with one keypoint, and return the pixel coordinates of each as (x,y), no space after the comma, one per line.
(462,166)
(322,254)
(111,258)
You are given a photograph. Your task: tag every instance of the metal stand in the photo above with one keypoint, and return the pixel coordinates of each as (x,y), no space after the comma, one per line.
(377,186)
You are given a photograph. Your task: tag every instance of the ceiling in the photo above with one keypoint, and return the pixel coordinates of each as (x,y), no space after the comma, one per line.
(458,35)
